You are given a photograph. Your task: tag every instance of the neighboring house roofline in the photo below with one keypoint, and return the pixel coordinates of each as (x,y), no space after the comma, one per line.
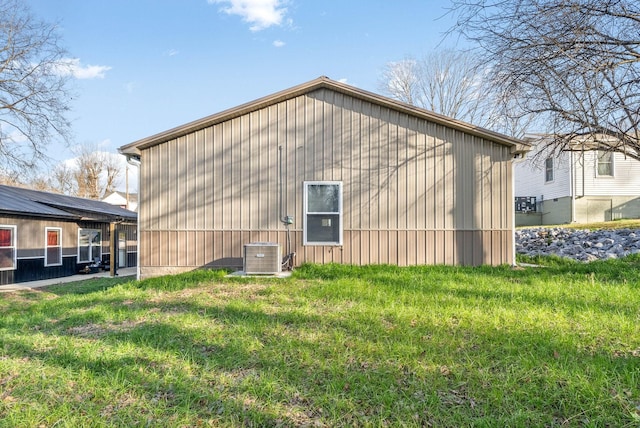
(134,149)
(578,142)
(121,193)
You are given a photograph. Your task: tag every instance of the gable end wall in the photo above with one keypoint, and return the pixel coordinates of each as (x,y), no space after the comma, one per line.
(414,192)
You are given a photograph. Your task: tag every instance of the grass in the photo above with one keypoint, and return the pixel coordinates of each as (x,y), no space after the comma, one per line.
(332,346)
(603,225)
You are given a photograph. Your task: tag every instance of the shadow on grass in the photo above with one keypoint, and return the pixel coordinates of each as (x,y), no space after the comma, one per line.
(347,360)
(626,269)
(475,283)
(87,286)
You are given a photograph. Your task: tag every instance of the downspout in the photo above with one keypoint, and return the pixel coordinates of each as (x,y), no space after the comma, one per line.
(135,161)
(517,157)
(513,217)
(572,187)
(126,187)
(583,168)
(113,239)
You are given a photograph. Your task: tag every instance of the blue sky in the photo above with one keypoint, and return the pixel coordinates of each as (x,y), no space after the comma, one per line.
(145,66)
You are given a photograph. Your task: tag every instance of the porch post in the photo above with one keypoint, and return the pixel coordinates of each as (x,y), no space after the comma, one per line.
(112,249)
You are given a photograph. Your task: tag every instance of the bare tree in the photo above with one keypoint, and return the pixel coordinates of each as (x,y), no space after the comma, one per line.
(576,62)
(91,174)
(95,172)
(40,183)
(111,172)
(400,80)
(453,83)
(33,94)
(10,178)
(62,180)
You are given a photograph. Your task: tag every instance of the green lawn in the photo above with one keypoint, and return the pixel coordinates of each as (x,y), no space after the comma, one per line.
(603,225)
(331,346)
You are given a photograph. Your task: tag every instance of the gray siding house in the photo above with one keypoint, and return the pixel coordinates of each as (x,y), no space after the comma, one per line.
(354,177)
(46,235)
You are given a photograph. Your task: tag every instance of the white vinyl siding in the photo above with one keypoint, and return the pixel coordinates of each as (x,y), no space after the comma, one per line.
(624,182)
(530,175)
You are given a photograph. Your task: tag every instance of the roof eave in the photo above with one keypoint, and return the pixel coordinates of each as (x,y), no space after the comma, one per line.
(39,215)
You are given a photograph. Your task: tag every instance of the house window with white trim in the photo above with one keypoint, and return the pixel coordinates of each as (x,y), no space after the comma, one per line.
(322,213)
(8,247)
(548,170)
(53,246)
(89,245)
(605,164)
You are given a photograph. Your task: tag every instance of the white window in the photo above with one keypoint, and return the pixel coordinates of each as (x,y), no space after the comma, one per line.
(89,245)
(548,169)
(605,164)
(322,213)
(53,246)
(7,247)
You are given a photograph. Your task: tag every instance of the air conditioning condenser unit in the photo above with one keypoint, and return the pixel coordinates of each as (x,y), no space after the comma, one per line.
(262,258)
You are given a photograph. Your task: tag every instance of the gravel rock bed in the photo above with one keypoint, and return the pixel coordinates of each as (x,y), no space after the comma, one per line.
(582,245)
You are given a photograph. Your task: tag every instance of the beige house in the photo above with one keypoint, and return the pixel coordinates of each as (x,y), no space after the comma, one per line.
(333,174)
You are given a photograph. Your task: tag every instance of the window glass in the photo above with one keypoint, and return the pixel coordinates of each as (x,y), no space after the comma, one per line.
(323,213)
(53,251)
(6,239)
(605,163)
(7,247)
(548,167)
(323,228)
(323,198)
(89,245)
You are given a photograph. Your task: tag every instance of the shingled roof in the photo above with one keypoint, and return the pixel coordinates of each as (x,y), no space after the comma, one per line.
(19,201)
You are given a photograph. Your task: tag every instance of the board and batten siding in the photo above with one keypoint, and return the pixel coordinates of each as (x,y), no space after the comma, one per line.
(31,239)
(30,242)
(414,192)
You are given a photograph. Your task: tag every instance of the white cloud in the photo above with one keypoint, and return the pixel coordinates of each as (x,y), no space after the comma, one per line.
(130,87)
(260,14)
(343,80)
(15,136)
(173,52)
(73,67)
(104,144)
(70,163)
(278,43)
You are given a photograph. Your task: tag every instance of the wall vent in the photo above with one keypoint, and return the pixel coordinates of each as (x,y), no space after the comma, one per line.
(262,258)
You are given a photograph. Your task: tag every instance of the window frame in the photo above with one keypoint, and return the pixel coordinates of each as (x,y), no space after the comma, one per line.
(91,245)
(339,213)
(549,169)
(47,263)
(13,246)
(611,163)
